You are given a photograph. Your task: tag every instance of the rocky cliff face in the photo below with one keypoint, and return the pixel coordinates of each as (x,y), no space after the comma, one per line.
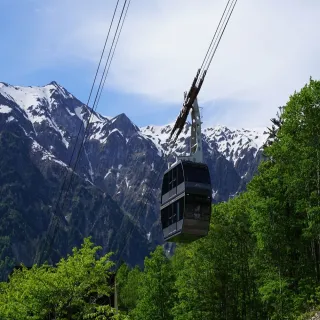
(117,177)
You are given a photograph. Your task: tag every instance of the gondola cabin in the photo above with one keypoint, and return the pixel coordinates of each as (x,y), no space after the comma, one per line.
(186,202)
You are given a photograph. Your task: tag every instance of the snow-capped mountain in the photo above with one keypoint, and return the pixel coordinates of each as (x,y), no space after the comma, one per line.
(233,144)
(118,157)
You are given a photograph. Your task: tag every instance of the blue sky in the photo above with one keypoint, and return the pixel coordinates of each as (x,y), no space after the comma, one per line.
(268,51)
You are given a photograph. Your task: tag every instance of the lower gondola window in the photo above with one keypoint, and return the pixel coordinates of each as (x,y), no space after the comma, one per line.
(165,217)
(172,213)
(180,208)
(197,207)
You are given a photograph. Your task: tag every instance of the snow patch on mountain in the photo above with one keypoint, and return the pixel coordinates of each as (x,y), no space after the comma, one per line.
(79,112)
(37,104)
(46,155)
(9,119)
(232,143)
(27,97)
(5,109)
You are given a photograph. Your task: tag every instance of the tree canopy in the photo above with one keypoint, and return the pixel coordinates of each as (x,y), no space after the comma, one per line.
(78,287)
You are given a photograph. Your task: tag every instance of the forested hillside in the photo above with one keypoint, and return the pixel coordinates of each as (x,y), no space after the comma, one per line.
(260,260)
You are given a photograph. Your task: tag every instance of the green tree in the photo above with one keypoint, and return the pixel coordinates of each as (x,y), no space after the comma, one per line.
(156,292)
(285,213)
(121,280)
(128,283)
(76,288)
(214,277)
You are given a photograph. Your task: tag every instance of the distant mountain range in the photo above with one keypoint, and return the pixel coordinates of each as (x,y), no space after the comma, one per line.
(119,164)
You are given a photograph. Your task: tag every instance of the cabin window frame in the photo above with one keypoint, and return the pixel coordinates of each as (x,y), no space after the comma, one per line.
(174,177)
(180,175)
(181,206)
(173,213)
(165,184)
(191,204)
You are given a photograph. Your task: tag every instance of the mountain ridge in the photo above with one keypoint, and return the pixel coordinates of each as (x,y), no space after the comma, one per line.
(238,146)
(120,158)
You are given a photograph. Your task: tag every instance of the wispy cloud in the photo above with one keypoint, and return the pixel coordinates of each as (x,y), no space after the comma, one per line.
(269,49)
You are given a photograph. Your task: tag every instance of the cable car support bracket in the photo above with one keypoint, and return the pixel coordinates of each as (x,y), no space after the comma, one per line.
(191,103)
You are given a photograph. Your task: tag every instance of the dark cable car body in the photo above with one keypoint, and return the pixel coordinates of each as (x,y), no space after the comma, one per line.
(186,198)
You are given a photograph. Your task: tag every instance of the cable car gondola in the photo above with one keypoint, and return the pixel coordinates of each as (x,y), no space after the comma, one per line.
(186,193)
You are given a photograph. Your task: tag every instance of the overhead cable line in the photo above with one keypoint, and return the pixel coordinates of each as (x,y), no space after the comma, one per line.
(95,104)
(216,38)
(54,216)
(214,47)
(105,77)
(91,90)
(205,58)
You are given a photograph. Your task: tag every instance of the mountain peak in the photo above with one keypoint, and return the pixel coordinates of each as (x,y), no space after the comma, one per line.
(3,84)
(54,83)
(58,88)
(122,122)
(122,117)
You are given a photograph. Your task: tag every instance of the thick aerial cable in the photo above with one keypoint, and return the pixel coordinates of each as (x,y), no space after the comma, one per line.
(95,104)
(122,220)
(101,85)
(87,104)
(54,216)
(215,46)
(89,118)
(114,49)
(205,58)
(201,73)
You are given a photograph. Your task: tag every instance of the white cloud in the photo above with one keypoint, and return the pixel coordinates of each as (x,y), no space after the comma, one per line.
(269,49)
